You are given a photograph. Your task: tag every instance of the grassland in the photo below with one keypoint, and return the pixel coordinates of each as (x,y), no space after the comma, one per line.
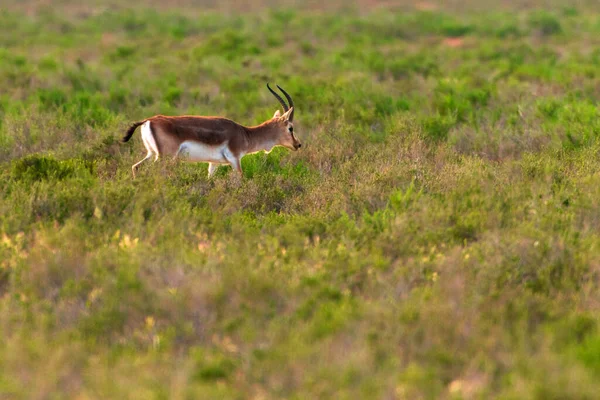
(438,235)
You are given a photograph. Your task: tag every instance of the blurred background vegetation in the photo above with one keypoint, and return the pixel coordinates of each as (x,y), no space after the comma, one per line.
(436,237)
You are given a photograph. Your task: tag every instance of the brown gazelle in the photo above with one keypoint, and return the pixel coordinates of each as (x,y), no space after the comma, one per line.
(215,140)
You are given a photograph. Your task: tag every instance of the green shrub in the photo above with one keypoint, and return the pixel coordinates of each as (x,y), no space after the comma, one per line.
(545,23)
(437,127)
(52,98)
(38,167)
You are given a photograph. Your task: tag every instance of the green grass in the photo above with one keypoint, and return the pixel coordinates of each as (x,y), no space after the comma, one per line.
(438,235)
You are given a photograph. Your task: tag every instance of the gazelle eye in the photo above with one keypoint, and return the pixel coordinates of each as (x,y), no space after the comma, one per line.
(291,128)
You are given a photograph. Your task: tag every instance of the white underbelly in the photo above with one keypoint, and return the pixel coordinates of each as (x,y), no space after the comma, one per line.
(194,151)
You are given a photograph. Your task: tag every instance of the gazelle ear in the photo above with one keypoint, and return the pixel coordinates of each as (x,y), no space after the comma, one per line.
(287,114)
(277,114)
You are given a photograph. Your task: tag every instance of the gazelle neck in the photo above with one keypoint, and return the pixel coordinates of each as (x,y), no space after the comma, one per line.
(262,137)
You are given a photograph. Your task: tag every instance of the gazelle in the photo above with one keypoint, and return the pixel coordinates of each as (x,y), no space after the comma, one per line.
(215,140)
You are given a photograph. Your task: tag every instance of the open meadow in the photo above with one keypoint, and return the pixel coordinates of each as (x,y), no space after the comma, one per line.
(436,237)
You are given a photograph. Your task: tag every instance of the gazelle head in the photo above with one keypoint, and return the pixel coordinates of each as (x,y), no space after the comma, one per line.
(285,122)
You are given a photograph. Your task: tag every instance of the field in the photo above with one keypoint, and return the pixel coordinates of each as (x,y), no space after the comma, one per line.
(436,237)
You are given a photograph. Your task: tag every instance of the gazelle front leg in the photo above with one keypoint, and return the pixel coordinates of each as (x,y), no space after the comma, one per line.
(237,166)
(212,168)
(234,161)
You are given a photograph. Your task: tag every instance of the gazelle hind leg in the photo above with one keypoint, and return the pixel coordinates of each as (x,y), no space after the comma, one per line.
(149,148)
(149,141)
(134,167)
